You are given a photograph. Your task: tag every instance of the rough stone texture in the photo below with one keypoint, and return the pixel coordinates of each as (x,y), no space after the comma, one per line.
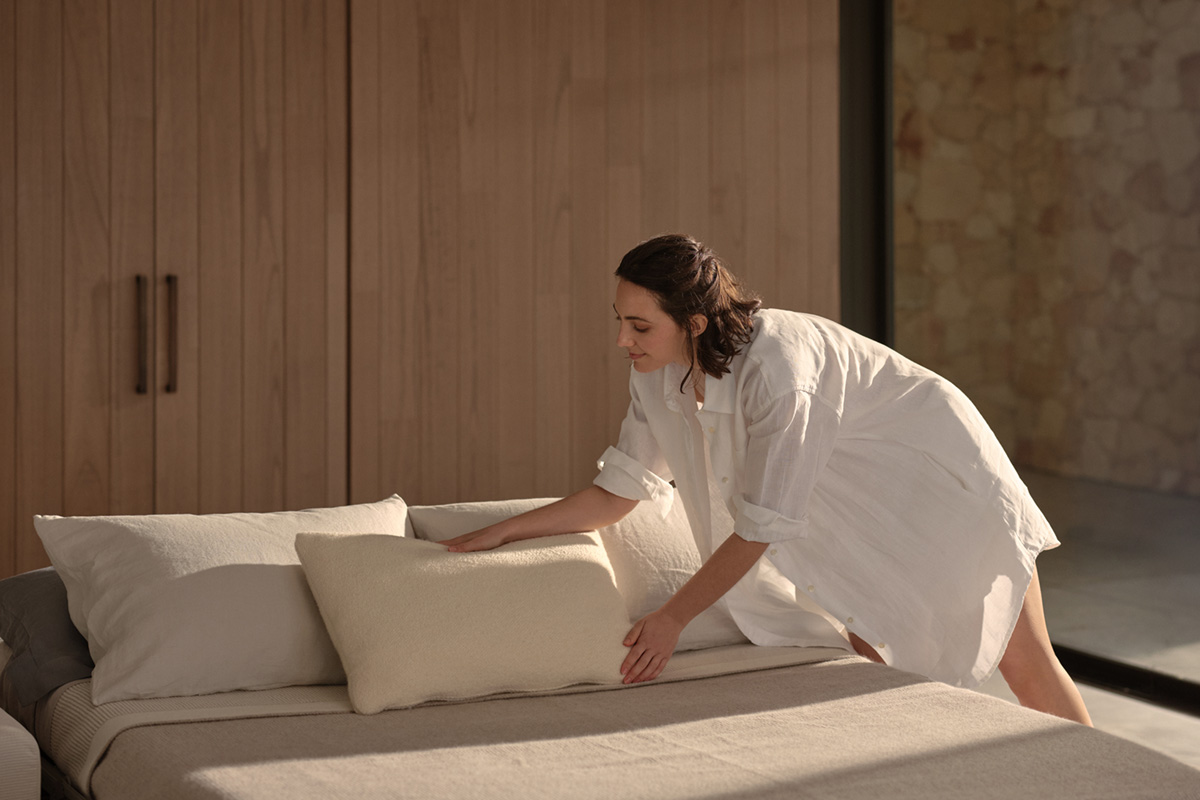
(1047,224)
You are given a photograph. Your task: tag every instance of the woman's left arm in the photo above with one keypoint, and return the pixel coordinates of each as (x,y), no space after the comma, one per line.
(652,639)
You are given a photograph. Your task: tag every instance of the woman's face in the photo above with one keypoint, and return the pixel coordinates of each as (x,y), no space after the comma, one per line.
(648,334)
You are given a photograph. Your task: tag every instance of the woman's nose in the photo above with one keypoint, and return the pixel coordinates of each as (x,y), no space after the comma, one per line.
(623,339)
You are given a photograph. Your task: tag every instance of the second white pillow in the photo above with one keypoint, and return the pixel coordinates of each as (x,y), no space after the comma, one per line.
(651,557)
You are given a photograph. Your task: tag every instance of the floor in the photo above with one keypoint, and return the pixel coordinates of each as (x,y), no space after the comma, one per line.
(1125,585)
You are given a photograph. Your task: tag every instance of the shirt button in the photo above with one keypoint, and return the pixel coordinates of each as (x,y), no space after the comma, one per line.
(849,620)
(773,551)
(880,646)
(711,429)
(812,588)
(724,480)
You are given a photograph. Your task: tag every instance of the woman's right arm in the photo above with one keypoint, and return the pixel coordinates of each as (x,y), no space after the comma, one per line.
(586,510)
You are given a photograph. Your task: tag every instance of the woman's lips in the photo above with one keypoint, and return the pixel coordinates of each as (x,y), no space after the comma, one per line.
(636,356)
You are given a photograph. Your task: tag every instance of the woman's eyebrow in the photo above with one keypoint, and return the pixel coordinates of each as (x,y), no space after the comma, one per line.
(639,319)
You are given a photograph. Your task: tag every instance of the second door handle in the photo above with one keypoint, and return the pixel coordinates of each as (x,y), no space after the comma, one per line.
(172,334)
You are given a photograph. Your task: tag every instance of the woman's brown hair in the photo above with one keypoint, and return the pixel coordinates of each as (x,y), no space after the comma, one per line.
(688,278)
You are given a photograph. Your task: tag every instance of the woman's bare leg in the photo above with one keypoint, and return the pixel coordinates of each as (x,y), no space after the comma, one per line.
(1031,669)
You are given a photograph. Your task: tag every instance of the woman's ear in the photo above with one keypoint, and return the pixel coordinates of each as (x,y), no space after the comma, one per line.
(699,324)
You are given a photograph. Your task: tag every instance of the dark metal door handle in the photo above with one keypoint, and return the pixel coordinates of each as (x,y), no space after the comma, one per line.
(172,334)
(143,334)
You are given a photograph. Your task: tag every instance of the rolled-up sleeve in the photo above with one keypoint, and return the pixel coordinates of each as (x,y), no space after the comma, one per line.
(635,468)
(790,439)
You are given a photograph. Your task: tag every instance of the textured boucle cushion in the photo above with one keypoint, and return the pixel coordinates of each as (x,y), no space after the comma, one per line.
(414,622)
(185,604)
(652,557)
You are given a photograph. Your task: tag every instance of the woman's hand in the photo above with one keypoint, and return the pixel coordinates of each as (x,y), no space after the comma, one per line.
(483,539)
(651,643)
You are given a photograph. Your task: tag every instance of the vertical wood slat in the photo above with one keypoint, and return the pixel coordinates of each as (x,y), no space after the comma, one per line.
(132,251)
(691,58)
(823,157)
(625,31)
(515,363)
(305,200)
(591,277)
(86,299)
(660,118)
(367,472)
(794,122)
(262,255)
(220,257)
(761,143)
(8,288)
(479,195)
(553,367)
(177,233)
(337,268)
(39,282)
(402,326)
(728,89)
(438,170)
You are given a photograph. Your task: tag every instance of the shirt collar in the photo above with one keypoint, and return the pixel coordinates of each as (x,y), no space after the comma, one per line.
(720,394)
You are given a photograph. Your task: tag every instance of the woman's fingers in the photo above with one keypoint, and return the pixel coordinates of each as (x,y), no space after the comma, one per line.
(647,669)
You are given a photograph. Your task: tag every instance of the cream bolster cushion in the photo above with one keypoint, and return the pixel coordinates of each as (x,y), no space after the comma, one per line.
(414,622)
(651,556)
(182,604)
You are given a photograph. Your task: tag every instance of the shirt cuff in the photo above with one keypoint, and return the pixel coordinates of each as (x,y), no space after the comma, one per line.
(625,477)
(758,524)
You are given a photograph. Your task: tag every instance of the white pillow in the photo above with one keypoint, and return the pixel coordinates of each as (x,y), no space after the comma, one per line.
(414,622)
(651,557)
(178,604)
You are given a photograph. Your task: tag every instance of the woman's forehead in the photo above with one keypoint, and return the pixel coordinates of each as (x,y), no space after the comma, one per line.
(636,301)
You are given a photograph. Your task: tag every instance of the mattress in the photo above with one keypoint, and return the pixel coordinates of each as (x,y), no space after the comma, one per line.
(739,721)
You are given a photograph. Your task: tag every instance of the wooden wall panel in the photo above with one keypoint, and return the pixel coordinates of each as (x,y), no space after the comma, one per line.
(263,253)
(86,219)
(220,311)
(824,297)
(131,87)
(305,253)
(8,287)
(40,280)
(605,121)
(514,390)
(337,179)
(478,195)
(177,245)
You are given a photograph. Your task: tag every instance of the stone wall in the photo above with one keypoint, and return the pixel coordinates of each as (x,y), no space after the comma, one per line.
(1048,225)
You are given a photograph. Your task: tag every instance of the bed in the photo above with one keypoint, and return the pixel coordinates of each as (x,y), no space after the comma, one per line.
(727,719)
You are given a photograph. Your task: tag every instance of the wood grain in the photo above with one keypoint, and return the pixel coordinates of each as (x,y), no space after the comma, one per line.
(132,251)
(86,299)
(513,440)
(219,277)
(39,250)
(546,139)
(794,121)
(823,156)
(337,278)
(177,233)
(263,254)
(8,288)
(305,199)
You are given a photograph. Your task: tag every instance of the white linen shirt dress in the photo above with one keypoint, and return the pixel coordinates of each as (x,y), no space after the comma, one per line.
(886,499)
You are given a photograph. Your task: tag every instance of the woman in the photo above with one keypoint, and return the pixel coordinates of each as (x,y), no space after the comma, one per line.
(871,483)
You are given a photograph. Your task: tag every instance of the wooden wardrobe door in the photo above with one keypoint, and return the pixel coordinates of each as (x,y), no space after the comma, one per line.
(250,219)
(199,139)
